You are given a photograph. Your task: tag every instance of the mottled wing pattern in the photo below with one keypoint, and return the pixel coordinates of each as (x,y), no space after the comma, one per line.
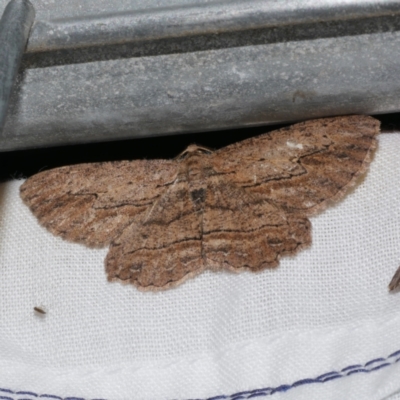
(263,189)
(241,207)
(245,231)
(304,167)
(165,249)
(93,203)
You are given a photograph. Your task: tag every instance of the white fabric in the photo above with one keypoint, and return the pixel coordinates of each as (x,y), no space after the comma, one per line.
(326,310)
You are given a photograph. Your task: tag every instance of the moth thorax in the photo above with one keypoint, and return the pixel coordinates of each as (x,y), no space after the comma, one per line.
(194,167)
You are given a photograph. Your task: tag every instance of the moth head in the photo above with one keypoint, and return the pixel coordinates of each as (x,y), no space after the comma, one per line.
(193,149)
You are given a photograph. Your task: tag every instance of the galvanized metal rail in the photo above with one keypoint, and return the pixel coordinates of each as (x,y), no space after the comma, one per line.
(103,70)
(15,25)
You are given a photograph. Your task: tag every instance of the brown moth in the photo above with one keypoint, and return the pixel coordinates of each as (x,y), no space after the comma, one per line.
(237,208)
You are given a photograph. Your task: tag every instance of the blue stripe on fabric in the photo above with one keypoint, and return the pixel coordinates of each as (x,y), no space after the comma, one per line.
(370,366)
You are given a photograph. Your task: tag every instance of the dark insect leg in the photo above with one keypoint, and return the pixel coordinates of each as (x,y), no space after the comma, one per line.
(395,282)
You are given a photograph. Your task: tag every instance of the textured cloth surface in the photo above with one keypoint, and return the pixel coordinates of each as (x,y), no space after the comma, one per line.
(320,326)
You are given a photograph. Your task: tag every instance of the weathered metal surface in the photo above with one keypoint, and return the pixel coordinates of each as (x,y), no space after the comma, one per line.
(15,25)
(90,23)
(139,69)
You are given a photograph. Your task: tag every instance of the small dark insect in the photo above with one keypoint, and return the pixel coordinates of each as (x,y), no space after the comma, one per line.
(239,208)
(395,282)
(39,310)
